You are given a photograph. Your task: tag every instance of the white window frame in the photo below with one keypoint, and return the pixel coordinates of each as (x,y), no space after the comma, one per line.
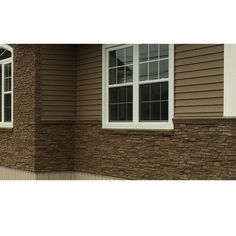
(136,124)
(2,63)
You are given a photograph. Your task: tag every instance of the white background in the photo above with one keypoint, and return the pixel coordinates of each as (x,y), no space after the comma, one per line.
(118,207)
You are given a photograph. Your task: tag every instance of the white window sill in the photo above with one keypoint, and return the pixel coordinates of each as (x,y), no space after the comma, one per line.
(6,125)
(139,126)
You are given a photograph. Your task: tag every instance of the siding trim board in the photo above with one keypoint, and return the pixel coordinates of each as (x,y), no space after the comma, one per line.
(229,80)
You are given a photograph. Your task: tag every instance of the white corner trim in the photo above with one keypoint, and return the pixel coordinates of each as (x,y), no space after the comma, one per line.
(230,80)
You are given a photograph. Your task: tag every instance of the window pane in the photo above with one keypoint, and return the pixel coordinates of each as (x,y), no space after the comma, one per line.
(120,57)
(129,111)
(113,115)
(164,91)
(129,94)
(164,50)
(164,69)
(145,111)
(120,100)
(143,71)
(7,70)
(129,74)
(154,101)
(4,54)
(155,92)
(153,70)
(143,52)
(164,111)
(145,92)
(113,95)
(153,51)
(7,84)
(155,111)
(112,58)
(120,75)
(122,94)
(7,107)
(129,55)
(122,111)
(112,76)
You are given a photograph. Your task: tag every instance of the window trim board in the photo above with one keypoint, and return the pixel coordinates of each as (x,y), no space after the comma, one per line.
(6,61)
(149,125)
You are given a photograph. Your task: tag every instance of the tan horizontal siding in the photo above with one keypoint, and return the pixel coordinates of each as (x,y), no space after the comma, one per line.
(198,109)
(58,81)
(200,59)
(195,95)
(89,82)
(199,52)
(198,88)
(199,115)
(188,47)
(199,80)
(199,66)
(199,102)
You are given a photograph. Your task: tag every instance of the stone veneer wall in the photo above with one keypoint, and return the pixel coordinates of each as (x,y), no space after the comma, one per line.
(54,146)
(18,144)
(195,149)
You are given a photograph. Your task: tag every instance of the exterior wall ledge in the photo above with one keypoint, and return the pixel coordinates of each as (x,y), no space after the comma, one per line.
(57,122)
(89,122)
(126,131)
(205,121)
(137,132)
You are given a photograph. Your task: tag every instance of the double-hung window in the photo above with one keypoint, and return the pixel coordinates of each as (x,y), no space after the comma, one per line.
(6,87)
(138,86)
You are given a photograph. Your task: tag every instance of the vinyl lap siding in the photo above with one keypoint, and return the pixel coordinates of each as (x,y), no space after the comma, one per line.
(199,80)
(58,73)
(89,82)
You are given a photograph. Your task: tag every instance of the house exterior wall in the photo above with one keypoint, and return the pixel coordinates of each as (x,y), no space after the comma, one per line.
(56,100)
(58,85)
(195,149)
(198,81)
(202,144)
(17,145)
(199,75)
(54,146)
(89,82)
(58,119)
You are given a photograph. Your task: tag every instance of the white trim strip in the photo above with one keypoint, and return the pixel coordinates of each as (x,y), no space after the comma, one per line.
(229,80)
